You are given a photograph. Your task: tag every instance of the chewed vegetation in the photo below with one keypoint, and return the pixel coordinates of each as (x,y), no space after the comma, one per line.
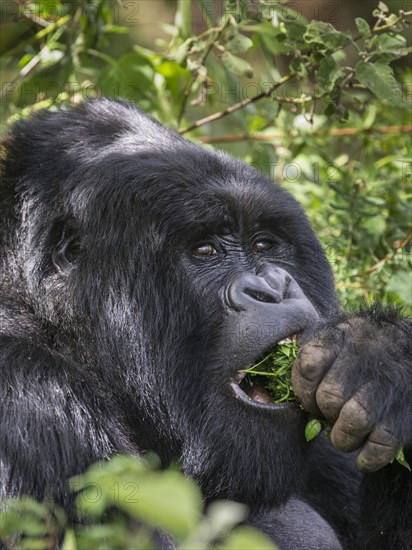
(270,378)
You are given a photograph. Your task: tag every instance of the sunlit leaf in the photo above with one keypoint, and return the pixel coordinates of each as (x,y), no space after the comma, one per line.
(378,77)
(363,27)
(400,457)
(312,429)
(238,43)
(236,65)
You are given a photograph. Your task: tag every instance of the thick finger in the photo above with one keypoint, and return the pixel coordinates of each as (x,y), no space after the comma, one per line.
(330,398)
(310,367)
(335,388)
(378,451)
(355,422)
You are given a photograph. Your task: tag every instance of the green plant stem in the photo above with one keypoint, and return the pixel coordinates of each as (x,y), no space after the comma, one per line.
(39,35)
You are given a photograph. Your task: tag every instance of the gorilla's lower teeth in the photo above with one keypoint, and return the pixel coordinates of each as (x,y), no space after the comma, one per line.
(288,340)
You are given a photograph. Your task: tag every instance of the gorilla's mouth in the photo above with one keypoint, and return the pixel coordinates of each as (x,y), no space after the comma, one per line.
(252,388)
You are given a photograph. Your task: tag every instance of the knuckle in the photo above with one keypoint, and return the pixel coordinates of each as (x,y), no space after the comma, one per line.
(374,456)
(307,370)
(314,352)
(343,440)
(355,417)
(329,395)
(312,362)
(305,392)
(383,436)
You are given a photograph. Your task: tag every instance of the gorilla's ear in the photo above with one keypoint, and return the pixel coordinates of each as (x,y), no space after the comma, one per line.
(67,249)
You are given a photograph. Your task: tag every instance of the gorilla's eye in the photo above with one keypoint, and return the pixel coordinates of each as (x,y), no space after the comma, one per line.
(204,250)
(262,245)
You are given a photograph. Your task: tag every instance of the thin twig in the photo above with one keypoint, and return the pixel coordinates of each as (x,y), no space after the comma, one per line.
(391,256)
(237,106)
(232,138)
(39,35)
(402,15)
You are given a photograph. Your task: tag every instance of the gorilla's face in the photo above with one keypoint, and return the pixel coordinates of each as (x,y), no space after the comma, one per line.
(167,268)
(252,274)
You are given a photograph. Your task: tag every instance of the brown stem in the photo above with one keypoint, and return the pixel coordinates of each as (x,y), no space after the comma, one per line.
(382,262)
(231,138)
(236,106)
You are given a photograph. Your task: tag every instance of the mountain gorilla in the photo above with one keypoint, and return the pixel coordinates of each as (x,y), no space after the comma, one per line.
(139,273)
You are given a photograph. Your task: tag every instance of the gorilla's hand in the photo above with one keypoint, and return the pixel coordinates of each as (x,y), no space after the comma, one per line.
(357,373)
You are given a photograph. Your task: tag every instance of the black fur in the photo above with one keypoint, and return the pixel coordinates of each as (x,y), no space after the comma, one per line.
(116,336)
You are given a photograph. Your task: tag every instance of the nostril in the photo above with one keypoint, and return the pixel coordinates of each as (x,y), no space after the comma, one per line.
(272,298)
(245,287)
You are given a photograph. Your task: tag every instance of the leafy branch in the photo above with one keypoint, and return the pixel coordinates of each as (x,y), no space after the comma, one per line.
(197,68)
(314,50)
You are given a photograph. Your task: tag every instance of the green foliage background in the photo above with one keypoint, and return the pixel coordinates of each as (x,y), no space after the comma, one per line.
(323,110)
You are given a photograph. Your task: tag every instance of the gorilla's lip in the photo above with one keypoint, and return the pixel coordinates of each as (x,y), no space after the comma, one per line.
(242,396)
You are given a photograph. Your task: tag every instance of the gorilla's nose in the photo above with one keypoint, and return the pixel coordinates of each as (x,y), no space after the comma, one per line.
(270,284)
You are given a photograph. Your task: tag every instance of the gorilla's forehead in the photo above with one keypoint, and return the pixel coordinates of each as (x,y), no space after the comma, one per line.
(191,186)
